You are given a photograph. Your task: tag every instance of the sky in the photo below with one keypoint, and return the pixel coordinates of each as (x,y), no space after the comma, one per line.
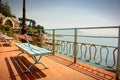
(54,14)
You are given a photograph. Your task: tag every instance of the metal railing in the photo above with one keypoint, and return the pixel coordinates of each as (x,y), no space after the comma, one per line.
(101,55)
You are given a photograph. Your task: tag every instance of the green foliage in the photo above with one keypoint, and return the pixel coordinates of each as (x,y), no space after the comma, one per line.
(1,27)
(32,23)
(5,9)
(39,27)
(32,32)
(6,29)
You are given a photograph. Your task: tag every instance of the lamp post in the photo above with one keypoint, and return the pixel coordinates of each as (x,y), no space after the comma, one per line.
(24,30)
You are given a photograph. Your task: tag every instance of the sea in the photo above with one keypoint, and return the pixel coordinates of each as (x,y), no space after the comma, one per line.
(107,37)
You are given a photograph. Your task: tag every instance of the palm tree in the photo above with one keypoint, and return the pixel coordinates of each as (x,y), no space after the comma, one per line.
(24,30)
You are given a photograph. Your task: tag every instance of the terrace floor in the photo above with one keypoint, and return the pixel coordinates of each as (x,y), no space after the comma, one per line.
(60,68)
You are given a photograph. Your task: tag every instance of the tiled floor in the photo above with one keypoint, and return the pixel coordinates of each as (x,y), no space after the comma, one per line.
(60,68)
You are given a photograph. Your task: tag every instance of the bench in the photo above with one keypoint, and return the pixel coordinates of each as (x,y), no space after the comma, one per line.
(32,50)
(5,38)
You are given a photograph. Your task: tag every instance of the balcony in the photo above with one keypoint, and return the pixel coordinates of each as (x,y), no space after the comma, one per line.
(72,60)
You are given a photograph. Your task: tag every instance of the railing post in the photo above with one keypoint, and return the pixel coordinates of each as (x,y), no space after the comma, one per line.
(118,58)
(75,44)
(41,37)
(53,48)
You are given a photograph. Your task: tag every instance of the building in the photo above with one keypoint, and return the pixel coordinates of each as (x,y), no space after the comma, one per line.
(11,21)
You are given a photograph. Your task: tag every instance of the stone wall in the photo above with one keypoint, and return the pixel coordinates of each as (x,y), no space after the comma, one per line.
(13,22)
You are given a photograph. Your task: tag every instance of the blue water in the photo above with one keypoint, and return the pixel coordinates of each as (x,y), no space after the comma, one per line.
(98,41)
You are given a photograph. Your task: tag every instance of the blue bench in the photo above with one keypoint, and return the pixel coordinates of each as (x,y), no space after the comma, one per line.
(6,38)
(32,50)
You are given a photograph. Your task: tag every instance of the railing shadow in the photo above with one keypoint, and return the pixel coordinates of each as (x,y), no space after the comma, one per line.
(81,68)
(20,64)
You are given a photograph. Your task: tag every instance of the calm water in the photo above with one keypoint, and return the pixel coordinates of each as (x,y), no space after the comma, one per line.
(99,41)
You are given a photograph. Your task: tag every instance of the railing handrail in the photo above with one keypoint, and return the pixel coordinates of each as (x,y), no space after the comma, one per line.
(60,35)
(86,28)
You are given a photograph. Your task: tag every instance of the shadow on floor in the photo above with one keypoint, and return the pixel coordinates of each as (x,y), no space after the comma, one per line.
(82,69)
(9,51)
(20,64)
(6,45)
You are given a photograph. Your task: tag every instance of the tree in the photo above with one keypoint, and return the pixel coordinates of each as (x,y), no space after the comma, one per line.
(0,1)
(32,23)
(5,9)
(39,27)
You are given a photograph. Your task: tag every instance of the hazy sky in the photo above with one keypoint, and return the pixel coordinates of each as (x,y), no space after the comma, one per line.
(70,13)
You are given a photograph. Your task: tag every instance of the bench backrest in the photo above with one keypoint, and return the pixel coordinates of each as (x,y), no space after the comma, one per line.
(24,37)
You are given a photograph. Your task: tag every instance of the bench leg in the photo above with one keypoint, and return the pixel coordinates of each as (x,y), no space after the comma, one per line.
(28,69)
(37,61)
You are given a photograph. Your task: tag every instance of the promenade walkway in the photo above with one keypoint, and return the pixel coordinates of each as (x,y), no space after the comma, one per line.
(60,68)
